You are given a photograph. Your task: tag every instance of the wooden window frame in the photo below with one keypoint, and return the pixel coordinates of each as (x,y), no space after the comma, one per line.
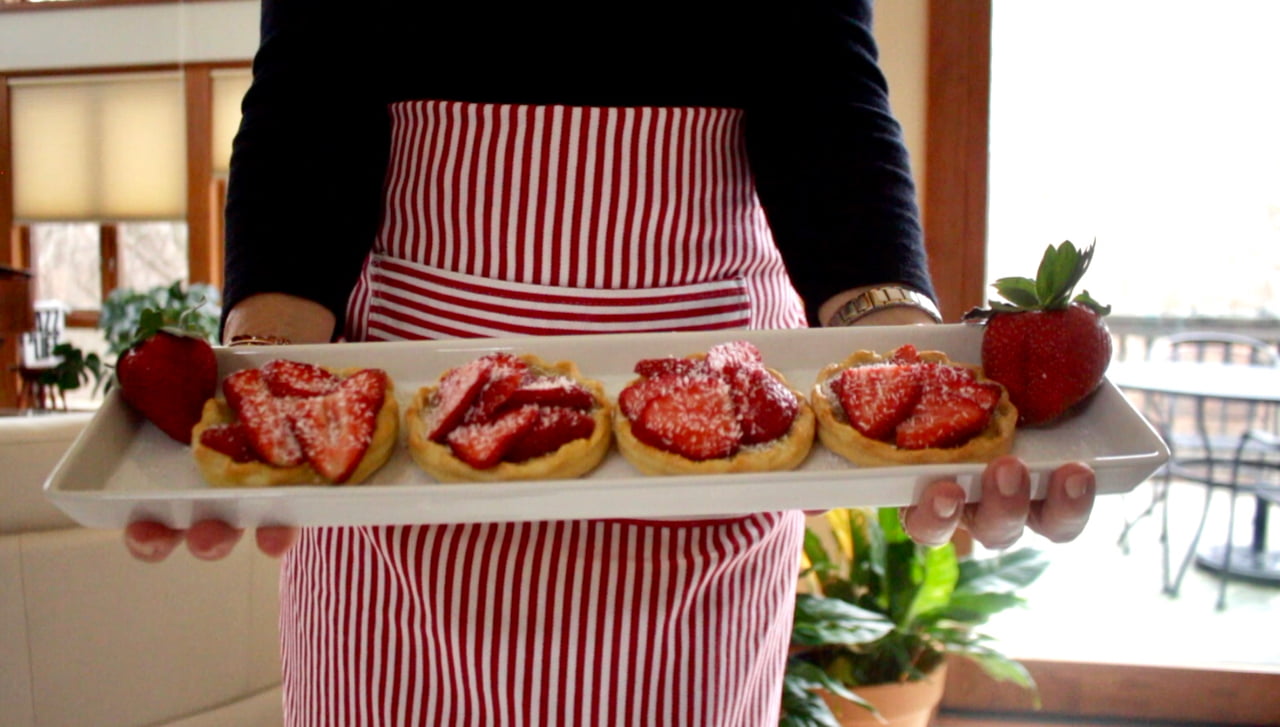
(954,203)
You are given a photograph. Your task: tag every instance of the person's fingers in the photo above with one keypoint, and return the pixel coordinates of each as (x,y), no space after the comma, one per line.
(934,518)
(275,540)
(212,539)
(151,542)
(1062,514)
(998,521)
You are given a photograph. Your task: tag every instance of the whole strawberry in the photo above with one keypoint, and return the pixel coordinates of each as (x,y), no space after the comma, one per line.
(1048,349)
(167,375)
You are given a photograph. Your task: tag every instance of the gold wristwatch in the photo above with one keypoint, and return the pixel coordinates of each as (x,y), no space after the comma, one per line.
(880,297)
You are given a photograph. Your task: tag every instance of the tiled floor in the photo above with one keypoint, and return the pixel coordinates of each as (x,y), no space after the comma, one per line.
(1096,603)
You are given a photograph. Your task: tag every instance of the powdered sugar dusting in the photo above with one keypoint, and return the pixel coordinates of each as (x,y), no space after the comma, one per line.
(760,408)
(265,417)
(914,404)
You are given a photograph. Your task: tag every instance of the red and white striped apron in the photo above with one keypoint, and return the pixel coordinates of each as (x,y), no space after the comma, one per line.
(509,219)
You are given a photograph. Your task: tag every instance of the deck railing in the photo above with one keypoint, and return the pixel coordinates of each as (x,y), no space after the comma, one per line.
(1134,335)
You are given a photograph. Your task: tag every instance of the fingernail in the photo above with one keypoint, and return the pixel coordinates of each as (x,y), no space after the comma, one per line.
(944,506)
(215,552)
(1008,480)
(1076,485)
(146,550)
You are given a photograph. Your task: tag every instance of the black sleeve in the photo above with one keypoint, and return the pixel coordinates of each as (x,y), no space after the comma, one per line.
(831,167)
(308,162)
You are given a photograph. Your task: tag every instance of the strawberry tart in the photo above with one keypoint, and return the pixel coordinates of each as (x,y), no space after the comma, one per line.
(292,423)
(722,411)
(506,417)
(911,407)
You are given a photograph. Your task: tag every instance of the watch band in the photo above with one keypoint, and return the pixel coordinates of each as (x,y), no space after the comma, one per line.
(880,297)
(252,340)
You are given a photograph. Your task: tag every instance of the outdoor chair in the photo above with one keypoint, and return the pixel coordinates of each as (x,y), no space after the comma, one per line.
(1220,444)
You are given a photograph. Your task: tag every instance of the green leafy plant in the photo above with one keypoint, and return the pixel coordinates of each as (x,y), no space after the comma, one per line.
(126,316)
(875,607)
(196,306)
(74,369)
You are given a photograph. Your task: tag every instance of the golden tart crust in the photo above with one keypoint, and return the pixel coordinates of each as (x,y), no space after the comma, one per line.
(571,460)
(836,434)
(783,453)
(222,471)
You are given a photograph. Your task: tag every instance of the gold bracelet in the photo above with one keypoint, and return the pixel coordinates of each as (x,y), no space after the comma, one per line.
(253,340)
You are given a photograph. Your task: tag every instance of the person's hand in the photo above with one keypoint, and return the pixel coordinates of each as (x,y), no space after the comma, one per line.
(274,316)
(1006,509)
(152,542)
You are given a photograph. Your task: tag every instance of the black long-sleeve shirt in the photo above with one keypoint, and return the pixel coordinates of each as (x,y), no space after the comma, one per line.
(309,161)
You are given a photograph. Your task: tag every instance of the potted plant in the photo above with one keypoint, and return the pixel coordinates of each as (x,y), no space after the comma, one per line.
(878,612)
(122,312)
(197,304)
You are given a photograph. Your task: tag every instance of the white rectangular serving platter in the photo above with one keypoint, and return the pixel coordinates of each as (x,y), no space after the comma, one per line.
(122,469)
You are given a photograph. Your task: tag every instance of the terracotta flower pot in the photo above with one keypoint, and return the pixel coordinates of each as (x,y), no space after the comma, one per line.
(908,704)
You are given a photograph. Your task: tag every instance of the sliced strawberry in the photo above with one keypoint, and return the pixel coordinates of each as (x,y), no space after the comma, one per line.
(958,381)
(653,367)
(765,406)
(727,358)
(482,445)
(552,391)
(265,418)
(554,427)
(231,440)
(367,387)
(336,429)
(293,378)
(503,381)
(458,388)
(954,407)
(696,421)
(877,398)
(634,398)
(942,423)
(906,353)
(502,359)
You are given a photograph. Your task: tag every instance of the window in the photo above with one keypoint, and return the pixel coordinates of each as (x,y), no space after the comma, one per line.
(67,263)
(1149,125)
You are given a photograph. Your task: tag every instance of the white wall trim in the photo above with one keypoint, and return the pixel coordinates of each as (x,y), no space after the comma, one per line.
(126,35)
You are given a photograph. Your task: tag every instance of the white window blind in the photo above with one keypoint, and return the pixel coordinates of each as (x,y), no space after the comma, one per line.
(229,87)
(105,148)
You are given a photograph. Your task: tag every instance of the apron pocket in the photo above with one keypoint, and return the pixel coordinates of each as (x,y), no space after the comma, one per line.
(409,301)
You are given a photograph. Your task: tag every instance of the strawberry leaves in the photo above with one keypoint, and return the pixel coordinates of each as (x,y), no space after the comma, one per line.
(178,322)
(1061,269)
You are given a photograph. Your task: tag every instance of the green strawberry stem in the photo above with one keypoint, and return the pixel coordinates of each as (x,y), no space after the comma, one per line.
(1061,268)
(178,322)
